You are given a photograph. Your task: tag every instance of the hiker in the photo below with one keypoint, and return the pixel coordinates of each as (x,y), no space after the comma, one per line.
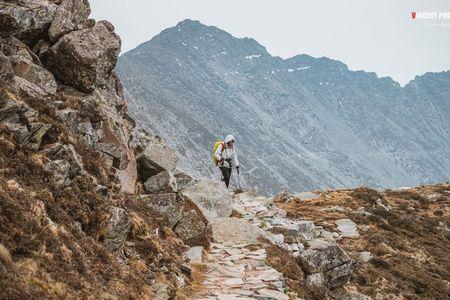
(226,158)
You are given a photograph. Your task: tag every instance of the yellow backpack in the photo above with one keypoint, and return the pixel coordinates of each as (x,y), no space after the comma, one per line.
(216,145)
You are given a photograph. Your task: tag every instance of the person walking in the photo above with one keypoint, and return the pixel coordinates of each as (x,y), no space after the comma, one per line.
(226,158)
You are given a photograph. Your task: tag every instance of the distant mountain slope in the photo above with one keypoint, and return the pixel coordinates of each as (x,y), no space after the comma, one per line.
(302,123)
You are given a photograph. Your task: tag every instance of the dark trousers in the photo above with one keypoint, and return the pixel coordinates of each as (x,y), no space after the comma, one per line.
(226,173)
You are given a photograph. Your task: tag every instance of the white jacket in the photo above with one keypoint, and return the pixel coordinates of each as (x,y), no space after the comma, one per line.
(224,154)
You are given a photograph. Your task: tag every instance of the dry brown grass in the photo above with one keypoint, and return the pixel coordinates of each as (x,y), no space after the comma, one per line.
(42,253)
(410,243)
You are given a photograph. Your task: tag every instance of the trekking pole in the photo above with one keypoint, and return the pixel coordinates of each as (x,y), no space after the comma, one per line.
(239,179)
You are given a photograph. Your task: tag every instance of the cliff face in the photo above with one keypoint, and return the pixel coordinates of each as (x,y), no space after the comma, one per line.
(71,225)
(302,123)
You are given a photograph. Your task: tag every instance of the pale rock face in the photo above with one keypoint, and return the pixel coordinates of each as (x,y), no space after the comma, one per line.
(27,20)
(99,123)
(347,228)
(195,254)
(71,15)
(163,182)
(85,58)
(186,220)
(210,197)
(157,156)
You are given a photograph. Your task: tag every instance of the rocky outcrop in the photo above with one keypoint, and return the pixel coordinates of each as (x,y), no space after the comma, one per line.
(85,58)
(21,122)
(71,15)
(328,261)
(27,20)
(68,170)
(156,156)
(210,197)
(163,182)
(186,220)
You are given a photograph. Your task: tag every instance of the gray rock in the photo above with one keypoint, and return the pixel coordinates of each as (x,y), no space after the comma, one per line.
(157,157)
(330,260)
(182,179)
(363,256)
(347,228)
(59,170)
(37,131)
(163,182)
(35,74)
(195,254)
(117,229)
(27,20)
(116,151)
(6,70)
(188,223)
(85,58)
(210,197)
(315,279)
(307,229)
(235,231)
(71,15)
(267,294)
(306,196)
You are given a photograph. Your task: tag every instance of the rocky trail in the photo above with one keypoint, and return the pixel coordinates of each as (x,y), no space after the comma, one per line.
(236,265)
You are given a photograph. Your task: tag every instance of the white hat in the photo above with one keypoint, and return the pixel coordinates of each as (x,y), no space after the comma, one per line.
(229,138)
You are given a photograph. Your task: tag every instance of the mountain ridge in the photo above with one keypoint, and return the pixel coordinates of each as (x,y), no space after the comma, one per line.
(187,22)
(314,111)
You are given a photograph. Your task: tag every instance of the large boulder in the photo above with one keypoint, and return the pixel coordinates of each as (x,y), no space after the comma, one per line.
(328,259)
(117,229)
(85,58)
(184,218)
(163,182)
(71,15)
(27,20)
(210,197)
(158,156)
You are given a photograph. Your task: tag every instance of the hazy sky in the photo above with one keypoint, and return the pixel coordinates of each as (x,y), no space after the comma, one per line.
(370,35)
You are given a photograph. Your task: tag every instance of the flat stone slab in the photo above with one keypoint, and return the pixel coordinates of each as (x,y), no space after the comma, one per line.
(235,230)
(347,228)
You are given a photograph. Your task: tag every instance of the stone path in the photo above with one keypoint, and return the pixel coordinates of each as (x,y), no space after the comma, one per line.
(236,263)
(236,268)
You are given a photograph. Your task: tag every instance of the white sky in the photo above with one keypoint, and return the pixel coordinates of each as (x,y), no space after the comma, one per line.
(369,35)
